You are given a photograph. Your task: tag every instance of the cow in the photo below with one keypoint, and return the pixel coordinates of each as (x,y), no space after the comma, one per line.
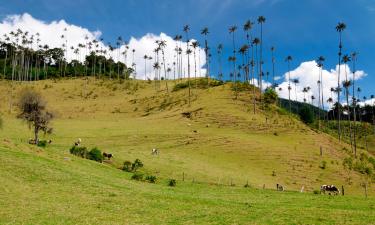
(107,155)
(330,189)
(154,151)
(78,142)
(279,187)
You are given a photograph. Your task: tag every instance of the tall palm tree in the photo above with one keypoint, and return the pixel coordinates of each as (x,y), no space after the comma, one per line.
(247,28)
(205,32)
(346,84)
(243,52)
(145,57)
(273,65)
(254,63)
(295,82)
(289,59)
(339,28)
(186,29)
(232,30)
(261,21)
(195,45)
(354,59)
(219,53)
(162,45)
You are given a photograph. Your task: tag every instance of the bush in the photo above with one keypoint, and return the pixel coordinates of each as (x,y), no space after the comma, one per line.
(172,183)
(270,96)
(79,151)
(323,165)
(127,166)
(95,154)
(151,178)
(306,115)
(137,176)
(136,165)
(180,86)
(42,143)
(316,192)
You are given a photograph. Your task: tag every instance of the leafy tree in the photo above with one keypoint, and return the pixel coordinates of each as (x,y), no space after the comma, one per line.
(33,110)
(136,165)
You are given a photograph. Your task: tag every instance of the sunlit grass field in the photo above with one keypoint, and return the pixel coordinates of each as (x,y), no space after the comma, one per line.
(223,143)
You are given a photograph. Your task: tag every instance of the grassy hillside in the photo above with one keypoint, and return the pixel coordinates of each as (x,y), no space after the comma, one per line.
(221,143)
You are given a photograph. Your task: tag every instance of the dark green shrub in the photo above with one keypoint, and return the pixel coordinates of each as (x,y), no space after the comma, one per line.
(42,143)
(136,165)
(137,176)
(79,151)
(95,154)
(270,96)
(172,183)
(151,178)
(316,192)
(127,166)
(306,115)
(180,86)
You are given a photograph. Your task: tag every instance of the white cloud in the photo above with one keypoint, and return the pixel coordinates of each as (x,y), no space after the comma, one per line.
(50,34)
(308,74)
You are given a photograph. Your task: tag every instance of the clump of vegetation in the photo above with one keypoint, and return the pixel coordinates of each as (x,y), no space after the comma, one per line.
(95,154)
(172,183)
(323,165)
(270,96)
(151,178)
(316,192)
(274,173)
(198,83)
(79,151)
(33,109)
(136,165)
(1,123)
(42,143)
(137,176)
(127,166)
(306,115)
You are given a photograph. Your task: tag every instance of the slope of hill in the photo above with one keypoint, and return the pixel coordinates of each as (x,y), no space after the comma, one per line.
(215,142)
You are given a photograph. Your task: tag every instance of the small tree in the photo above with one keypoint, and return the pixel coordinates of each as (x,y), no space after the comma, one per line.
(33,110)
(136,165)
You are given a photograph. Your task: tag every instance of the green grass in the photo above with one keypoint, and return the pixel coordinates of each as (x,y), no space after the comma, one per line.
(223,142)
(44,188)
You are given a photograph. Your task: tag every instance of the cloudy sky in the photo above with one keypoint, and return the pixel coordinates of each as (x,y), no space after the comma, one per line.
(302,29)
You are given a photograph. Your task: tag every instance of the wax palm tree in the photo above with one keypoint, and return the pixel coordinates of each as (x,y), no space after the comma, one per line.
(288,60)
(295,82)
(243,51)
(145,57)
(205,32)
(354,58)
(273,64)
(195,45)
(346,84)
(339,28)
(247,28)
(162,45)
(219,53)
(261,21)
(188,52)
(320,64)
(232,30)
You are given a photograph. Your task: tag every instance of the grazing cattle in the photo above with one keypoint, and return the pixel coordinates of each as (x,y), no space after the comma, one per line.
(330,189)
(279,187)
(155,151)
(78,142)
(107,155)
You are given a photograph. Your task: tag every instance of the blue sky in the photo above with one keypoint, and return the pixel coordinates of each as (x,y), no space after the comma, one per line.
(303,29)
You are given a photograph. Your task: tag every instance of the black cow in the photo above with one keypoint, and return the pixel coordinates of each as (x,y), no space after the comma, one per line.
(330,189)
